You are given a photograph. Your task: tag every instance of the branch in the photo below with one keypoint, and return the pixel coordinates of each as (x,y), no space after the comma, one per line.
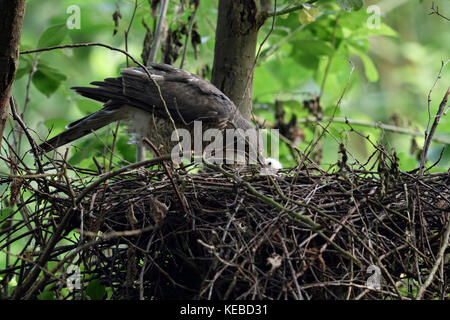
(33,145)
(114,173)
(181,198)
(89,44)
(445,242)
(102,238)
(158,31)
(429,137)
(356,122)
(55,238)
(191,24)
(304,220)
(436,12)
(127,32)
(429,133)
(289,10)
(330,58)
(92,44)
(272,27)
(338,103)
(11,17)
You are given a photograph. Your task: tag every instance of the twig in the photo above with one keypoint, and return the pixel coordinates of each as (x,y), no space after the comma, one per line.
(117,234)
(191,24)
(84,45)
(181,198)
(27,97)
(112,174)
(306,221)
(436,12)
(33,145)
(445,243)
(311,147)
(139,152)
(330,58)
(429,133)
(34,176)
(113,145)
(67,216)
(289,10)
(356,122)
(159,31)
(41,283)
(272,27)
(30,78)
(274,47)
(127,32)
(92,44)
(293,273)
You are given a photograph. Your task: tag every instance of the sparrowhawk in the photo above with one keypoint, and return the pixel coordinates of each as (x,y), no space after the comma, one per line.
(135,98)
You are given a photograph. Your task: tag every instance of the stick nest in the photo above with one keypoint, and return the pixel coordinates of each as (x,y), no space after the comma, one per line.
(299,234)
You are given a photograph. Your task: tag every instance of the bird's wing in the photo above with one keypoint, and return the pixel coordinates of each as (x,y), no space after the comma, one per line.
(84,126)
(187,96)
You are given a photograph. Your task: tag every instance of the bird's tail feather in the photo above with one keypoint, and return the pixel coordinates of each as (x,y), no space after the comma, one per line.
(84,126)
(110,93)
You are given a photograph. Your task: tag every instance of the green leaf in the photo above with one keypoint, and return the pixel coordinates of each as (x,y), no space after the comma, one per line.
(95,290)
(86,149)
(369,67)
(309,61)
(45,84)
(47,79)
(53,36)
(306,16)
(349,5)
(315,47)
(51,72)
(128,151)
(364,32)
(24,66)
(407,162)
(46,295)
(87,106)
(21,72)
(3,214)
(56,125)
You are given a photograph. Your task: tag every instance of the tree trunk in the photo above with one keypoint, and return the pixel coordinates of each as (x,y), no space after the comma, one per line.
(238,23)
(11,18)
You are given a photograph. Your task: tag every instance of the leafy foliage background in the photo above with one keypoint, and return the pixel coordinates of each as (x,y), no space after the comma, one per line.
(395,67)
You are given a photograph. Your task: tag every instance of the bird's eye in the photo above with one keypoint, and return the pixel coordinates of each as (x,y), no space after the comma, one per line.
(269,163)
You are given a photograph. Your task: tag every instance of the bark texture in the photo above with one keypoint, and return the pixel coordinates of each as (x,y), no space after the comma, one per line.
(11,18)
(238,23)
